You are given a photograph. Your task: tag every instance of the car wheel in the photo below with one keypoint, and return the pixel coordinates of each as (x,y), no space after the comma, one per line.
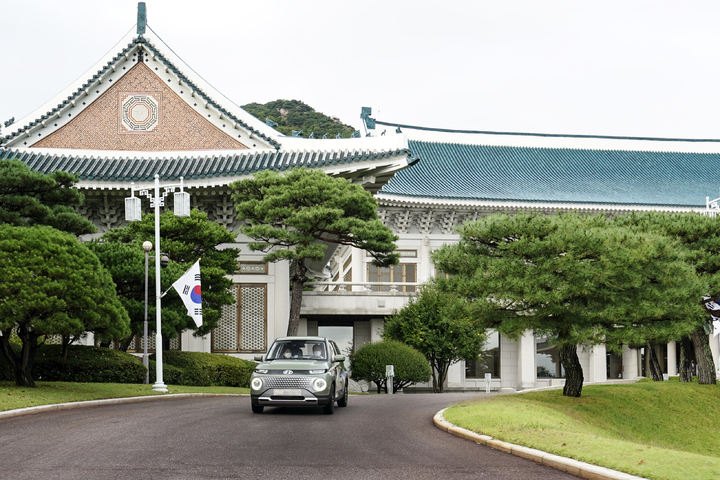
(257,408)
(343,401)
(329,409)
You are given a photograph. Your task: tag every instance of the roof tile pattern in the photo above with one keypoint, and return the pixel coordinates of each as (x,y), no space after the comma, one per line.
(132,166)
(556,175)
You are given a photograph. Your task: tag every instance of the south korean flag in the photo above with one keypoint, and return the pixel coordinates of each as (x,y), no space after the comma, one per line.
(188,286)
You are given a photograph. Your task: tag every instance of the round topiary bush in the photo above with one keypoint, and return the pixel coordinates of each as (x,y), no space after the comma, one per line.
(369,361)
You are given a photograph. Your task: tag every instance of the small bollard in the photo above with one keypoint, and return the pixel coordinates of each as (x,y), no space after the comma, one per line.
(488,376)
(390,374)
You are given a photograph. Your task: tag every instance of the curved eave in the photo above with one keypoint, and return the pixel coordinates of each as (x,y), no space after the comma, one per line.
(116,170)
(98,79)
(471,204)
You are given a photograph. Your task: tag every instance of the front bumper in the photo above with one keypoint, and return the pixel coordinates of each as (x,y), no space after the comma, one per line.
(290,397)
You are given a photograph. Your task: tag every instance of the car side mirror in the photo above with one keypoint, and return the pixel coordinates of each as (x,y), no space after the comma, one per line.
(338,358)
(259,358)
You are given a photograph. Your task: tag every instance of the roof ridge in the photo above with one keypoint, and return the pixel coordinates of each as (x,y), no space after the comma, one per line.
(583,148)
(551,135)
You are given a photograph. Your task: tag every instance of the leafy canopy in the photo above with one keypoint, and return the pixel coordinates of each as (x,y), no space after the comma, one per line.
(184,240)
(295,115)
(571,276)
(30,198)
(52,285)
(297,210)
(438,324)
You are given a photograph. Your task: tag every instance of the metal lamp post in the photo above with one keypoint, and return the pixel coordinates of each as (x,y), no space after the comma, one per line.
(133,213)
(147,246)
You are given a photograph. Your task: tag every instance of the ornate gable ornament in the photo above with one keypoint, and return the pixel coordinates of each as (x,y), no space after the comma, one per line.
(160,91)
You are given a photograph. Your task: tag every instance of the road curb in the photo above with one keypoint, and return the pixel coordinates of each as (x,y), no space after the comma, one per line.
(110,401)
(574,467)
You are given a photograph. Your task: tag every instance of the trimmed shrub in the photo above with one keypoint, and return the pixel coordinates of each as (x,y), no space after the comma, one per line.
(87,364)
(204,369)
(369,361)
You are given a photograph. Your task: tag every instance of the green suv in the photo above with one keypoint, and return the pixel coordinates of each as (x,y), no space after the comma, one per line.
(300,371)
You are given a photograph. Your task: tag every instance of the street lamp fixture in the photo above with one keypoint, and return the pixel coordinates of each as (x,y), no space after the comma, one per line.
(132,214)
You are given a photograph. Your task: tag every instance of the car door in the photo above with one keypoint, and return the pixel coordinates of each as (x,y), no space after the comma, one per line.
(338,371)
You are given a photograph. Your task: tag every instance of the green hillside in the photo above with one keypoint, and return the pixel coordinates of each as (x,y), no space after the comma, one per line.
(295,115)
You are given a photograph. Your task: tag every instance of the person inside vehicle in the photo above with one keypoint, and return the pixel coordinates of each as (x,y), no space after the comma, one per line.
(287,353)
(318,351)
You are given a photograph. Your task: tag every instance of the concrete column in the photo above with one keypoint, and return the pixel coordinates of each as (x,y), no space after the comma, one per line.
(359,274)
(377,325)
(597,365)
(424,264)
(302,327)
(629,363)
(526,360)
(671,358)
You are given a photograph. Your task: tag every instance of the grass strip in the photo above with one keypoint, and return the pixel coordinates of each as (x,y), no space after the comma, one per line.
(48,393)
(657,430)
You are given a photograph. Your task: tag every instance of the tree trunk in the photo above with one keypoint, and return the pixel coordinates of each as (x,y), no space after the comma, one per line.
(686,356)
(573,371)
(703,357)
(7,352)
(439,370)
(655,369)
(298,280)
(23,368)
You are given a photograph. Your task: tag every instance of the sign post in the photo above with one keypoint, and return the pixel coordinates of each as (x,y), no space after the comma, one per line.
(390,374)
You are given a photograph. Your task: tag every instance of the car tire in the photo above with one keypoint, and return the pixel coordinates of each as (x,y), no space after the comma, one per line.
(343,401)
(257,408)
(329,409)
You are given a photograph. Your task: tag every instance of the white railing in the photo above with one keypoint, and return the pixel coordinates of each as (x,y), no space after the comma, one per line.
(711,207)
(364,287)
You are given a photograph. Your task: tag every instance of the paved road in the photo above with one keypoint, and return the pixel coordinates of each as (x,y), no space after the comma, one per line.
(218,437)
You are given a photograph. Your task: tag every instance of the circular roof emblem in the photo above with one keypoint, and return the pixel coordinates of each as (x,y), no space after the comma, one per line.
(140,113)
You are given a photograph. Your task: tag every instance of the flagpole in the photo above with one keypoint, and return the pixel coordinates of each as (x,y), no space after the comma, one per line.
(159,385)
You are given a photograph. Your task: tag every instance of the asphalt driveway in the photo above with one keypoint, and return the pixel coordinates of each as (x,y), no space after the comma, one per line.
(376,436)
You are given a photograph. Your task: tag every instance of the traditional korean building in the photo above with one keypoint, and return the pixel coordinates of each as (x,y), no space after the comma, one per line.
(141,112)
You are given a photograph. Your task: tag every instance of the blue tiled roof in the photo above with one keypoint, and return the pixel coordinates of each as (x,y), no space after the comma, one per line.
(130,166)
(559,175)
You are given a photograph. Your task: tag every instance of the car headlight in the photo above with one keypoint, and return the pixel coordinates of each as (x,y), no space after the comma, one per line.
(257,383)
(260,371)
(317,371)
(319,384)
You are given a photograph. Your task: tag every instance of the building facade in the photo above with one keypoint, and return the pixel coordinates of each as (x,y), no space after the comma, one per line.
(141,112)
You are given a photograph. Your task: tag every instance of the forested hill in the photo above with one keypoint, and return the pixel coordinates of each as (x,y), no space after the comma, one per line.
(295,115)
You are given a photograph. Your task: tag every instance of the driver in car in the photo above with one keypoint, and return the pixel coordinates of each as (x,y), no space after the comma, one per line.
(317,351)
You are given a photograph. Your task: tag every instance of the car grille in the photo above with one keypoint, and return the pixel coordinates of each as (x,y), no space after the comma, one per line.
(287,382)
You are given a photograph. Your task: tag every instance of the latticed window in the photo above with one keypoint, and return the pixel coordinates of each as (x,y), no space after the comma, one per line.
(242,327)
(136,345)
(401,273)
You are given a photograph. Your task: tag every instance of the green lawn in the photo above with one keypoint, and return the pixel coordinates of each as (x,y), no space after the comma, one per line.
(48,393)
(657,430)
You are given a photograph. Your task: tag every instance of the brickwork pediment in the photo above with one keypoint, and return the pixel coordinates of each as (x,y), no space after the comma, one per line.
(140,113)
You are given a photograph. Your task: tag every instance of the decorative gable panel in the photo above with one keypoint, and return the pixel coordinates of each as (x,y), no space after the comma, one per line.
(139,113)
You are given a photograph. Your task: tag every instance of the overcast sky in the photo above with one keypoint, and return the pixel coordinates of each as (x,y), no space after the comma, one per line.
(604,67)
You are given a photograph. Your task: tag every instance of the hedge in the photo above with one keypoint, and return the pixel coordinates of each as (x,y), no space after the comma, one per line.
(203,369)
(104,365)
(87,364)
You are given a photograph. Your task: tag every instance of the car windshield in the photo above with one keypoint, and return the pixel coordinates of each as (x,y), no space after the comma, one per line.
(298,350)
